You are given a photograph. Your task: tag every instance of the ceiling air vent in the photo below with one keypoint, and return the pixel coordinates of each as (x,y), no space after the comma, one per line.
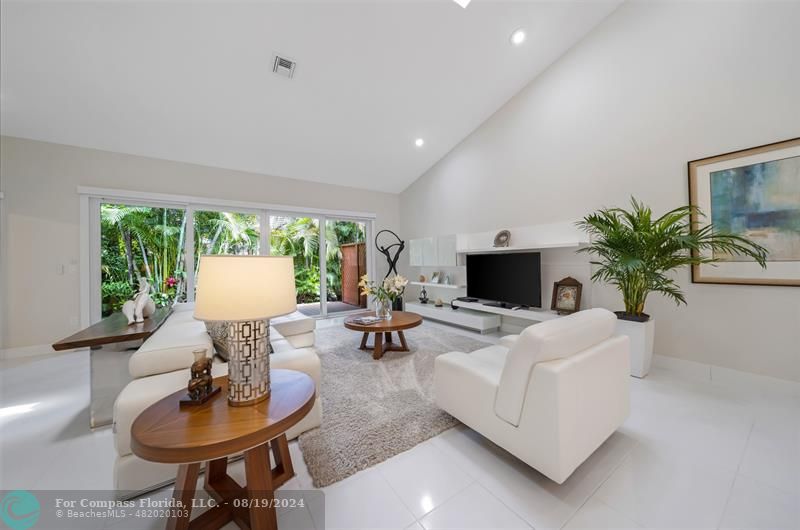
(283,66)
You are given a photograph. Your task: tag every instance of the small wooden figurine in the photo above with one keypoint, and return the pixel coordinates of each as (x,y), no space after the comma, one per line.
(201,385)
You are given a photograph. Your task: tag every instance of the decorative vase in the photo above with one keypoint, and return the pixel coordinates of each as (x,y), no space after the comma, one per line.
(397,305)
(383,309)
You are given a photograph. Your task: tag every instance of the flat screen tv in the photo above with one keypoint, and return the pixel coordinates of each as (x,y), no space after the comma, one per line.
(513,278)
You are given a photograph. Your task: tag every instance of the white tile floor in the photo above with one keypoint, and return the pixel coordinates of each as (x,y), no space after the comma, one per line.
(693,454)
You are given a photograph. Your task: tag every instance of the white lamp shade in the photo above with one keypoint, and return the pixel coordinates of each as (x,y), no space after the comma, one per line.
(238,288)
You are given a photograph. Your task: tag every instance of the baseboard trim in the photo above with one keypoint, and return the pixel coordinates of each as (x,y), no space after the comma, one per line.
(24,352)
(720,375)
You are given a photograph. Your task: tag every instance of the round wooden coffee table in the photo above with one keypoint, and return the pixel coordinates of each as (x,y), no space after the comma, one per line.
(383,330)
(212,432)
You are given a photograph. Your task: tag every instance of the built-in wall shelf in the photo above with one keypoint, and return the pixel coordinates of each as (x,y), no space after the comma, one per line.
(450,250)
(535,314)
(443,285)
(542,246)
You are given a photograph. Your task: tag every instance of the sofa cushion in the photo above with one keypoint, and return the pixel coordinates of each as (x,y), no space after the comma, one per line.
(494,355)
(293,324)
(170,347)
(509,340)
(303,360)
(547,341)
(280,345)
(304,340)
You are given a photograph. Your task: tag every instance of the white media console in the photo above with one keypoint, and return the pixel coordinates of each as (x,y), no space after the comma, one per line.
(557,243)
(475,315)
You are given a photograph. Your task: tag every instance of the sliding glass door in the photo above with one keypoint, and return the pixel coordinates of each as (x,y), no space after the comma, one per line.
(162,242)
(219,232)
(298,237)
(346,262)
(327,269)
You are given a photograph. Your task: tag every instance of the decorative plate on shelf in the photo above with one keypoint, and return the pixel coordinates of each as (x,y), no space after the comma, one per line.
(502,238)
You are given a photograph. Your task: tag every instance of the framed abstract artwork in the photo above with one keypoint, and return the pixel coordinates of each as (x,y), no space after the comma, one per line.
(754,193)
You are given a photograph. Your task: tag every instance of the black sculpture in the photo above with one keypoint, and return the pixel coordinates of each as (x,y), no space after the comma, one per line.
(387,251)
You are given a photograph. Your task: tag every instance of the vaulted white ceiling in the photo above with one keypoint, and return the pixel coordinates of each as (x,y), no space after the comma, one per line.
(193,82)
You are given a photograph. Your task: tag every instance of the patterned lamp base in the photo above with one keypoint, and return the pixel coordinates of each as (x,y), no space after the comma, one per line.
(248,362)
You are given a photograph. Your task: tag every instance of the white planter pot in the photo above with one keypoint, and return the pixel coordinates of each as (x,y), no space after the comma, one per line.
(641,335)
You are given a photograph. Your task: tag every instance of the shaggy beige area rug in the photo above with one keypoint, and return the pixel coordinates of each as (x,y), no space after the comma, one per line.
(373,410)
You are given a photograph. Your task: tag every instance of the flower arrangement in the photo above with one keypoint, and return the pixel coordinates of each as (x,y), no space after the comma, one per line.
(390,289)
(385,293)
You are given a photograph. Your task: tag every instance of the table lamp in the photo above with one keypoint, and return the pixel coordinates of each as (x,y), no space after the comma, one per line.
(245,292)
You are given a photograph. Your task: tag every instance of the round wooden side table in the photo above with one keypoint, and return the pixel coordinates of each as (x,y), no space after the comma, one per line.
(383,330)
(212,432)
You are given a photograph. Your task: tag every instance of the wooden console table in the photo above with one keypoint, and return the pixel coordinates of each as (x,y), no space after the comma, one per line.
(212,432)
(114,329)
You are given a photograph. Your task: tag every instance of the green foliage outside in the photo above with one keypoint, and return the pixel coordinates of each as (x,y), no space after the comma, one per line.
(114,295)
(144,242)
(141,242)
(299,237)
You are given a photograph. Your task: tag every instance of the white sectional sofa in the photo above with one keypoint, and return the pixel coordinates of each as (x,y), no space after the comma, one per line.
(161,366)
(549,396)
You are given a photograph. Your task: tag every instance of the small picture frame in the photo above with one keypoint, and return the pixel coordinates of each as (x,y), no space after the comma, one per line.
(435,277)
(566,296)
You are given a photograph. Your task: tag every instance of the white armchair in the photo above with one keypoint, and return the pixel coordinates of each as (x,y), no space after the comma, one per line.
(550,397)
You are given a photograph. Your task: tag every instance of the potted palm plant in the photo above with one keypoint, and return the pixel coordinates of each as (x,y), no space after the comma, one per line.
(637,253)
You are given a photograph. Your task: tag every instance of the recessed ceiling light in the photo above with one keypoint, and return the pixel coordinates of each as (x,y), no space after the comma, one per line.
(419,142)
(518,37)
(462,3)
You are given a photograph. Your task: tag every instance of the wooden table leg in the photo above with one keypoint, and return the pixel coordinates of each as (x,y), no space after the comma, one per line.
(216,471)
(185,485)
(364,341)
(284,470)
(377,353)
(260,489)
(388,337)
(403,342)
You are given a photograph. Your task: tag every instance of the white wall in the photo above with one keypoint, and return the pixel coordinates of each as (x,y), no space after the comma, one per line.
(41,226)
(652,87)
